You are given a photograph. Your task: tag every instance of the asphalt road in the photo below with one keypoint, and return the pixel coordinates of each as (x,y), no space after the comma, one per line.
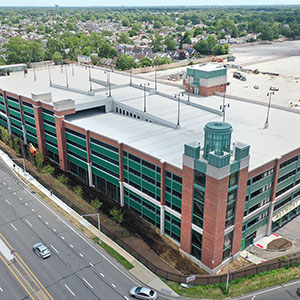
(77,269)
(286,291)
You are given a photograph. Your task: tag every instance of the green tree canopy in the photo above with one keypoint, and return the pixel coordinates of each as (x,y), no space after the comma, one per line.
(125,62)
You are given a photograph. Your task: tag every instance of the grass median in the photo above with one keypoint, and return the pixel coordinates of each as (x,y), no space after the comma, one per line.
(239,287)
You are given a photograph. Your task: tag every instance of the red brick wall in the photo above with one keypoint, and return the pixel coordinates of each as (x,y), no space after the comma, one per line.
(186,208)
(61,143)
(39,129)
(209,91)
(239,210)
(214,221)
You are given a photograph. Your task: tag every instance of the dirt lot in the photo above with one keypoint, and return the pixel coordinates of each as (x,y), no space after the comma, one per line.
(278,57)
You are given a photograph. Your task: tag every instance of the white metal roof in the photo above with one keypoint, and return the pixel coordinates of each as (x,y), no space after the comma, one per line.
(164,142)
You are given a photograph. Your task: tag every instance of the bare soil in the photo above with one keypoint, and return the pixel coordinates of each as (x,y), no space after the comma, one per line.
(279,244)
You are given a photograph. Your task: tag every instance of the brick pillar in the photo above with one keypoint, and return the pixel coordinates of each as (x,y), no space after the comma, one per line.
(22,120)
(273,196)
(239,210)
(61,142)
(7,113)
(186,208)
(216,193)
(39,129)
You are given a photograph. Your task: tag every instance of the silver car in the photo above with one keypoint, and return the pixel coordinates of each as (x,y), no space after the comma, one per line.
(41,250)
(142,292)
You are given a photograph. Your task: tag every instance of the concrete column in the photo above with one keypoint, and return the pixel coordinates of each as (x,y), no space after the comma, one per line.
(122,202)
(271,210)
(90,174)
(8,125)
(162,219)
(24,134)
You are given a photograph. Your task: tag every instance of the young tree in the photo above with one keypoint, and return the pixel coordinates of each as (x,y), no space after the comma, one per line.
(125,62)
(57,58)
(117,215)
(145,62)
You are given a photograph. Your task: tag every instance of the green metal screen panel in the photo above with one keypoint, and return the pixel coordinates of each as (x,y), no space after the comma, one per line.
(76,150)
(104,151)
(27,109)
(30,129)
(74,138)
(13,104)
(50,138)
(48,117)
(49,127)
(77,161)
(14,113)
(51,148)
(17,131)
(106,164)
(105,176)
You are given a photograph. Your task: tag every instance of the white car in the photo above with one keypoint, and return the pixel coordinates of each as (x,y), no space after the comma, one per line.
(256,87)
(41,250)
(142,292)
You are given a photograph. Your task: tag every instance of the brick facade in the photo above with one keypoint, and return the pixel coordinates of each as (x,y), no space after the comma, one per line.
(216,193)
(187,208)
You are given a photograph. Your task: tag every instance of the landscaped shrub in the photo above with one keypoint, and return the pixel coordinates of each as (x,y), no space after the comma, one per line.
(78,190)
(48,169)
(63,179)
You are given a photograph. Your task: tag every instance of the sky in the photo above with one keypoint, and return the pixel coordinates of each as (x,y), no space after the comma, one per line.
(143,2)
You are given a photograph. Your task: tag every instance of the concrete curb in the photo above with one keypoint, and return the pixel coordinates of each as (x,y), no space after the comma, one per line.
(139,271)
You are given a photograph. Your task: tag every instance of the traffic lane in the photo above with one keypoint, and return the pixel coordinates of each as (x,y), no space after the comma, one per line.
(98,283)
(48,270)
(9,286)
(73,287)
(287,291)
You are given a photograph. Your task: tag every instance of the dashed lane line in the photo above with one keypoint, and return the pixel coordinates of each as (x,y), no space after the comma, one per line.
(69,290)
(87,282)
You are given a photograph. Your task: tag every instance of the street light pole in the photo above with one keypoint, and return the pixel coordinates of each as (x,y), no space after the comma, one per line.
(224,105)
(98,218)
(228,272)
(24,166)
(90,78)
(107,72)
(178,108)
(269,106)
(144,85)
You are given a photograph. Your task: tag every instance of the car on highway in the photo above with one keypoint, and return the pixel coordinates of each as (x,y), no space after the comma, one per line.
(298,290)
(41,250)
(256,87)
(274,88)
(141,292)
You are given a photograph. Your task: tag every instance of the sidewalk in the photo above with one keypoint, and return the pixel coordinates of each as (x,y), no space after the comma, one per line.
(139,271)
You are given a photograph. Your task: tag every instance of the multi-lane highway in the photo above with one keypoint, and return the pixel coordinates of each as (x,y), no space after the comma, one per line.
(77,269)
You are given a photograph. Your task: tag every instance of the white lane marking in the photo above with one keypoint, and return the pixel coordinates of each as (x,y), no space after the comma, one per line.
(69,290)
(71,246)
(1,289)
(26,203)
(9,188)
(262,292)
(291,283)
(87,282)
(15,193)
(102,275)
(32,209)
(46,223)
(7,202)
(54,248)
(126,297)
(40,216)
(81,254)
(114,286)
(28,222)
(91,265)
(62,238)
(54,229)
(4,183)
(13,227)
(20,198)
(81,237)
